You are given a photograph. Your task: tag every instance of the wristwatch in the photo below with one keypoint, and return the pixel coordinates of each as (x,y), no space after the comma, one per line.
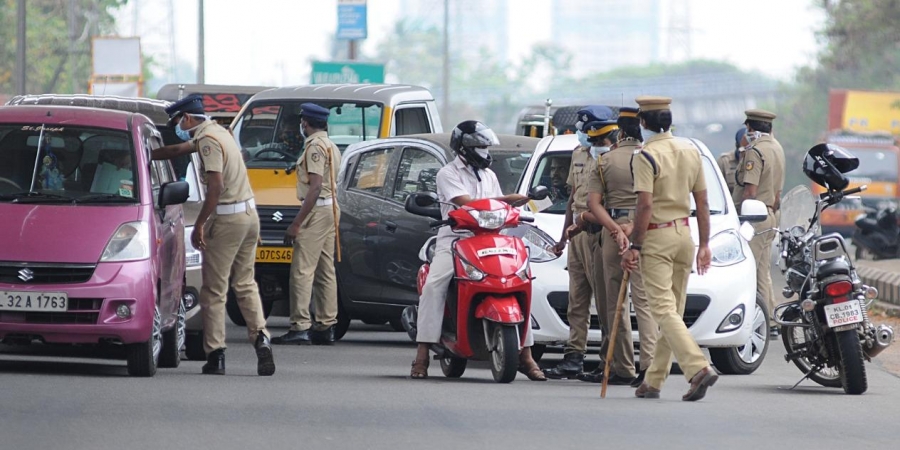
(634,246)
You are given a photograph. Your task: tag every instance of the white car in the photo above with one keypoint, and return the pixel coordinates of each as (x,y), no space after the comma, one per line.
(722,310)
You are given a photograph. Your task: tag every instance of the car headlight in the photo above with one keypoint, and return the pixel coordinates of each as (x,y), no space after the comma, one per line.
(726,249)
(490,220)
(130,242)
(472,272)
(540,244)
(192,256)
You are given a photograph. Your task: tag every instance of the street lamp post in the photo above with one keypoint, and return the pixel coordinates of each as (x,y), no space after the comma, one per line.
(20,49)
(201,46)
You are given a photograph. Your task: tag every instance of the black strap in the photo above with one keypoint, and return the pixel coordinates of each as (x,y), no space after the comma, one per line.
(649,159)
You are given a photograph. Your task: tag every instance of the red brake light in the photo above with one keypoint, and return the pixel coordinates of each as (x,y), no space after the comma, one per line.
(838,289)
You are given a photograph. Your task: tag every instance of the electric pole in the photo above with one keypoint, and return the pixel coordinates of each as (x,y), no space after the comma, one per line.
(201,63)
(445,75)
(20,49)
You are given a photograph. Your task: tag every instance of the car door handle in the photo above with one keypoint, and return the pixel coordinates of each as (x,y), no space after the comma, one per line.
(390,226)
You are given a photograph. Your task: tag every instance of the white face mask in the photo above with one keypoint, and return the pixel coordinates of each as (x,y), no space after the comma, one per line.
(647,134)
(597,151)
(752,136)
(483,152)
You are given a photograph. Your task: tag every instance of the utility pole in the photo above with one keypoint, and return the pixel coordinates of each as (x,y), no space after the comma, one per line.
(445,75)
(351,49)
(20,49)
(201,57)
(73,34)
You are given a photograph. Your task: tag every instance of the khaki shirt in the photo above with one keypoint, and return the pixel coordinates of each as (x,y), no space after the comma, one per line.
(582,166)
(612,176)
(321,157)
(761,165)
(219,152)
(671,169)
(728,165)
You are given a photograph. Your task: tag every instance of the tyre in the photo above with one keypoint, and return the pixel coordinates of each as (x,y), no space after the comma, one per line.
(853,370)
(745,359)
(173,340)
(397,324)
(143,357)
(234,311)
(505,355)
(408,318)
(193,346)
(453,367)
(343,322)
(537,352)
(793,339)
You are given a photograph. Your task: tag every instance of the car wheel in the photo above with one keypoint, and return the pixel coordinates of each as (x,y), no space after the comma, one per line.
(745,359)
(173,340)
(143,357)
(234,311)
(193,346)
(343,322)
(397,324)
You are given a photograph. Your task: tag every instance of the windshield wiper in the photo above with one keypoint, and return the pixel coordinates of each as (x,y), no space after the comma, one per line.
(105,198)
(35,197)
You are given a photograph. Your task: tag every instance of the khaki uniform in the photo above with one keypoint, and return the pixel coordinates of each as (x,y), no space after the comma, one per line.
(728,165)
(312,264)
(584,260)
(614,181)
(231,238)
(762,165)
(671,170)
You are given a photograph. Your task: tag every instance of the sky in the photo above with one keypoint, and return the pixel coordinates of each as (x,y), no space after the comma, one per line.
(271,42)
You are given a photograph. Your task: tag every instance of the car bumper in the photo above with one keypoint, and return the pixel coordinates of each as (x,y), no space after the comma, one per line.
(91,311)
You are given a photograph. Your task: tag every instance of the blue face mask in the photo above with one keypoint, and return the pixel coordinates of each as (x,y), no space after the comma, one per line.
(647,134)
(582,139)
(184,135)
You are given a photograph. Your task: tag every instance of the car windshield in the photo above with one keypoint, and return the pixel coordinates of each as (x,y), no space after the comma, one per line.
(509,165)
(269,133)
(553,170)
(56,163)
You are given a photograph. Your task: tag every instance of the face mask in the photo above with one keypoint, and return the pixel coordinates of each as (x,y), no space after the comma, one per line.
(647,134)
(582,139)
(483,152)
(302,131)
(597,151)
(184,135)
(486,159)
(752,136)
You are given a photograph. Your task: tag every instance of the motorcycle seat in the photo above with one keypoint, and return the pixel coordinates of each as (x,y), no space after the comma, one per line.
(836,267)
(867,224)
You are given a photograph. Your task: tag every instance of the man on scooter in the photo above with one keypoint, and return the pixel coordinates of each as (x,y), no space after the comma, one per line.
(463,180)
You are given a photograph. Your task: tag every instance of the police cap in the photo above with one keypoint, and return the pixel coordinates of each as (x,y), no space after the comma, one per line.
(628,116)
(192,104)
(314,111)
(653,103)
(592,113)
(760,115)
(600,128)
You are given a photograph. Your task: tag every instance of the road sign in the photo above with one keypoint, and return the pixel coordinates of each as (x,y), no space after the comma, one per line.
(352,22)
(337,72)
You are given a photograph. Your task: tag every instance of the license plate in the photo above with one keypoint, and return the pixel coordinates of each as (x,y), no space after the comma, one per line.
(273,255)
(845,313)
(496,251)
(33,301)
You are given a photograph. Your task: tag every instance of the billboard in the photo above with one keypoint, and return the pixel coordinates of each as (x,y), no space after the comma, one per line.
(864,111)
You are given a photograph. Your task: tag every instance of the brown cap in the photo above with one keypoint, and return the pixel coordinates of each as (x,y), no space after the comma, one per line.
(653,103)
(760,115)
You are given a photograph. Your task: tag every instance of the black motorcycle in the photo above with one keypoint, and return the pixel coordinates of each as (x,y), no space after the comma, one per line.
(877,235)
(826,330)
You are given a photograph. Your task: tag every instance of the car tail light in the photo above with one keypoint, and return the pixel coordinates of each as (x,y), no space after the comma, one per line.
(838,289)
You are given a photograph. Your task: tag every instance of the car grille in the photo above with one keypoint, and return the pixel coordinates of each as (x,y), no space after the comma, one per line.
(273,222)
(81,311)
(12,273)
(694,307)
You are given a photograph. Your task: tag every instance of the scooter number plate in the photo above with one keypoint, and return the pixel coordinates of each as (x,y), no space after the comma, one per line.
(845,313)
(495,251)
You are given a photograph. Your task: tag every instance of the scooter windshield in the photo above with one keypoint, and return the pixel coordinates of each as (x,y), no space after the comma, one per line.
(797,207)
(540,244)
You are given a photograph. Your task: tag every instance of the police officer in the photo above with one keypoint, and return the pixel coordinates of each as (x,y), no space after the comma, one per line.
(667,172)
(728,160)
(584,267)
(226,231)
(612,200)
(760,176)
(312,234)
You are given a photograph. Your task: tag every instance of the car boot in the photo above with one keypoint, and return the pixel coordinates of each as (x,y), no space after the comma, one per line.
(293,337)
(265,365)
(323,337)
(571,365)
(215,363)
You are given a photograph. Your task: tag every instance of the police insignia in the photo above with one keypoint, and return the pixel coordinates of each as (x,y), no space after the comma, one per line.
(749,165)
(315,156)
(205,150)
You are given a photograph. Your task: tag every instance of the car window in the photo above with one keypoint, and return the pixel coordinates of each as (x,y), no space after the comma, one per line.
(371,171)
(417,173)
(509,167)
(552,172)
(412,120)
(715,192)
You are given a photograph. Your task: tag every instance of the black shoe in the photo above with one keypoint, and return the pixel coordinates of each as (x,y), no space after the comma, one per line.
(215,363)
(571,365)
(323,337)
(265,365)
(774,332)
(596,376)
(639,379)
(293,338)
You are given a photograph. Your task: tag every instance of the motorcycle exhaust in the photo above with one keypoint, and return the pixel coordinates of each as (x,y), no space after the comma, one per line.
(884,335)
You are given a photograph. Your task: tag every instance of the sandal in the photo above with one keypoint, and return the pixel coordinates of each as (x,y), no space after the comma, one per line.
(533,372)
(419,370)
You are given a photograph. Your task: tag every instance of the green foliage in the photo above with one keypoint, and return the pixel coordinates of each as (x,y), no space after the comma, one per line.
(49,68)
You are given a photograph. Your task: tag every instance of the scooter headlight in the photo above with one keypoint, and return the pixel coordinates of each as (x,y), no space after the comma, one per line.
(726,249)
(472,272)
(490,220)
(524,272)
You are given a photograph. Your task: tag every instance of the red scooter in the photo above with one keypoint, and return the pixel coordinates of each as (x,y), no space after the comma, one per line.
(490,297)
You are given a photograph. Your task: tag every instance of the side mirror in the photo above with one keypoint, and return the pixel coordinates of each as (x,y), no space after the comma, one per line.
(173,193)
(539,193)
(753,211)
(423,204)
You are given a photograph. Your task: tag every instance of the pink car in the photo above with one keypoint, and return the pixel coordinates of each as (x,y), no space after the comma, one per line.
(91,234)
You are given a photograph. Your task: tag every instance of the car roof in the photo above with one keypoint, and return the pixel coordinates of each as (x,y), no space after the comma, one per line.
(66,115)
(383,93)
(171,91)
(155,110)
(508,143)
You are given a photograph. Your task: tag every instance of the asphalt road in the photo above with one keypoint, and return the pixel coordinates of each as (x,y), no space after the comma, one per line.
(356,395)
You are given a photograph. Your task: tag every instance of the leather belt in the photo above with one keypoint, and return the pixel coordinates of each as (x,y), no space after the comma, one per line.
(617,213)
(234,208)
(656,226)
(324,201)
(591,227)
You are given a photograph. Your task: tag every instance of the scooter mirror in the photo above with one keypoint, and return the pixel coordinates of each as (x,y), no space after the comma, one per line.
(746,231)
(539,193)
(423,204)
(425,198)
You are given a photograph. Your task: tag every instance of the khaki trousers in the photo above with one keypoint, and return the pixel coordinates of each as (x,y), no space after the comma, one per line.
(230,253)
(761,246)
(665,262)
(312,271)
(585,269)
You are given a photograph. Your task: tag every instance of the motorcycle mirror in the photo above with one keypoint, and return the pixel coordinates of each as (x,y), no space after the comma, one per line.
(539,193)
(425,198)
(746,231)
(753,211)
(423,204)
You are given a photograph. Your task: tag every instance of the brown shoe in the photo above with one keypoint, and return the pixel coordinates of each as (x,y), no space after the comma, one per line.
(646,391)
(705,378)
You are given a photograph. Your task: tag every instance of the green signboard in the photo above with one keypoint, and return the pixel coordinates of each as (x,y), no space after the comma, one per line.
(346,72)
